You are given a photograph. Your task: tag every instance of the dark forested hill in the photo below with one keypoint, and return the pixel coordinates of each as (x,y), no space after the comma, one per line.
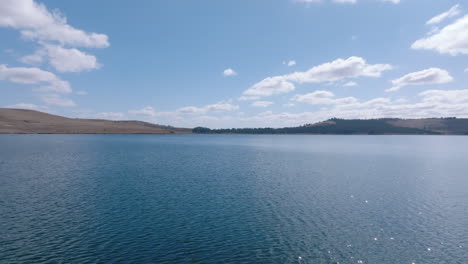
(385,126)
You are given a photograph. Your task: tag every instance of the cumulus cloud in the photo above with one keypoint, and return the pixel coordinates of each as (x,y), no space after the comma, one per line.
(339,69)
(36,22)
(56,100)
(248,98)
(70,60)
(34,59)
(191,110)
(261,103)
(270,86)
(218,107)
(350,84)
(55,36)
(424,77)
(452,12)
(430,103)
(452,39)
(229,72)
(221,107)
(321,97)
(22,75)
(146,111)
(63,59)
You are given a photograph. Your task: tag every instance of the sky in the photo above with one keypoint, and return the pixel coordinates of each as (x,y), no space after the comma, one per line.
(244,63)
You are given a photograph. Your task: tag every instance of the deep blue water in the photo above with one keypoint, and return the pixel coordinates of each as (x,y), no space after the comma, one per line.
(233,199)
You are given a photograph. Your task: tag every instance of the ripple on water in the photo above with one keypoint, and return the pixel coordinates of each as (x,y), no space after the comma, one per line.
(232,199)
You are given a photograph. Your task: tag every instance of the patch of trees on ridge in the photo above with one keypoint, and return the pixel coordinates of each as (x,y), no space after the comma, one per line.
(332,126)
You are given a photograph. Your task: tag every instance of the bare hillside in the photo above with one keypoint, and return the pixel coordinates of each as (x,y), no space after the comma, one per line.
(34,122)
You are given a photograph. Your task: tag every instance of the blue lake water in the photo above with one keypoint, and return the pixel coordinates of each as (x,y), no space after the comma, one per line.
(233,199)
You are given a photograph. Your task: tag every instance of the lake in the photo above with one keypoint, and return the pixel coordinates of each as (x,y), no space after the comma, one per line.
(233,199)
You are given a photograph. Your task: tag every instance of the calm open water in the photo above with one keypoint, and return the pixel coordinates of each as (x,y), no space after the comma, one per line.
(233,199)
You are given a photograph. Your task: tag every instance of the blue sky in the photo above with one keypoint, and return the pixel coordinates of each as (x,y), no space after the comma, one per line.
(235,63)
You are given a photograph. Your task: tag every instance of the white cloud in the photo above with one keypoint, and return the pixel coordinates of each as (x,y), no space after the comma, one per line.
(270,86)
(290,63)
(221,107)
(70,60)
(27,106)
(433,31)
(55,36)
(424,77)
(466,70)
(229,72)
(191,110)
(322,98)
(63,59)
(452,12)
(218,107)
(34,59)
(146,111)
(22,75)
(57,100)
(110,115)
(336,70)
(261,104)
(339,69)
(431,103)
(452,39)
(350,84)
(36,22)
(442,97)
(248,98)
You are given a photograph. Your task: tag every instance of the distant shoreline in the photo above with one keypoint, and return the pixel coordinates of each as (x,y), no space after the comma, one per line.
(21,121)
(384,126)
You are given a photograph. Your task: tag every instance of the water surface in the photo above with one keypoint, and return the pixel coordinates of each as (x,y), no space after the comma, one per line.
(233,199)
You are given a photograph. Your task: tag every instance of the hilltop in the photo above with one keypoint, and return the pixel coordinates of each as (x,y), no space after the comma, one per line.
(21,121)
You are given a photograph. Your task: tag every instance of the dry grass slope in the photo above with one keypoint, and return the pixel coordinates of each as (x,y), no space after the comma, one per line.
(20,121)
